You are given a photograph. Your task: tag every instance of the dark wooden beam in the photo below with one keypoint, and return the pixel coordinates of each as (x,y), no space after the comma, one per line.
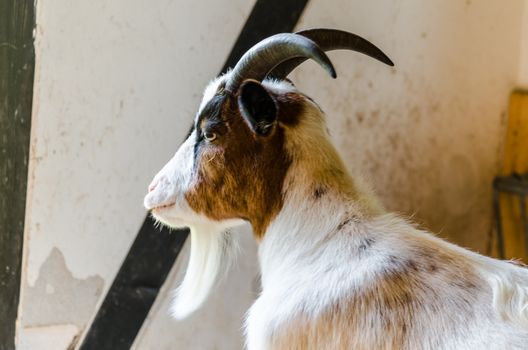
(17,63)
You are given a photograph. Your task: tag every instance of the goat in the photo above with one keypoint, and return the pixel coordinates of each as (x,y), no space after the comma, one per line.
(338,271)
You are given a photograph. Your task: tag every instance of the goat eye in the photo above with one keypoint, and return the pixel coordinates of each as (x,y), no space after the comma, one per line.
(209,136)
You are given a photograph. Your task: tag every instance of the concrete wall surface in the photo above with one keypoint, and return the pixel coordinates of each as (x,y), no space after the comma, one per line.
(117,85)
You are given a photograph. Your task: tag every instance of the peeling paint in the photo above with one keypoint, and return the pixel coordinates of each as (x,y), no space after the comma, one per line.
(59,298)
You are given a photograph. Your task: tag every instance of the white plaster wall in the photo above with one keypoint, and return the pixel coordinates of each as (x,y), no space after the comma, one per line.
(117,84)
(522,81)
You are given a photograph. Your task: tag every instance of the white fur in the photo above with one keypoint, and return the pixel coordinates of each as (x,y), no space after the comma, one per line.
(303,273)
(212,251)
(510,295)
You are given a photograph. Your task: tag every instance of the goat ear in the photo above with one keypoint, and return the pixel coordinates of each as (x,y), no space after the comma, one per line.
(257,107)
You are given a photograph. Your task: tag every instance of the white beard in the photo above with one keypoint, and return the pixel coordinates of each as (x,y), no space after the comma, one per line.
(213,249)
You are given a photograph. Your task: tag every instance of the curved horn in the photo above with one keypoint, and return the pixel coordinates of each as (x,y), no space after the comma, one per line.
(328,40)
(258,61)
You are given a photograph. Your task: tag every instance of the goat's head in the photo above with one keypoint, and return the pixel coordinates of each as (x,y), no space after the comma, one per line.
(232,166)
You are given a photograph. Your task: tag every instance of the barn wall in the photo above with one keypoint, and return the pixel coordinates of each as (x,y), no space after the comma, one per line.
(522,81)
(117,84)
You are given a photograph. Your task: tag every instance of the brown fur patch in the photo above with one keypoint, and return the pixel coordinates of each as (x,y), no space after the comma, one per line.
(241,174)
